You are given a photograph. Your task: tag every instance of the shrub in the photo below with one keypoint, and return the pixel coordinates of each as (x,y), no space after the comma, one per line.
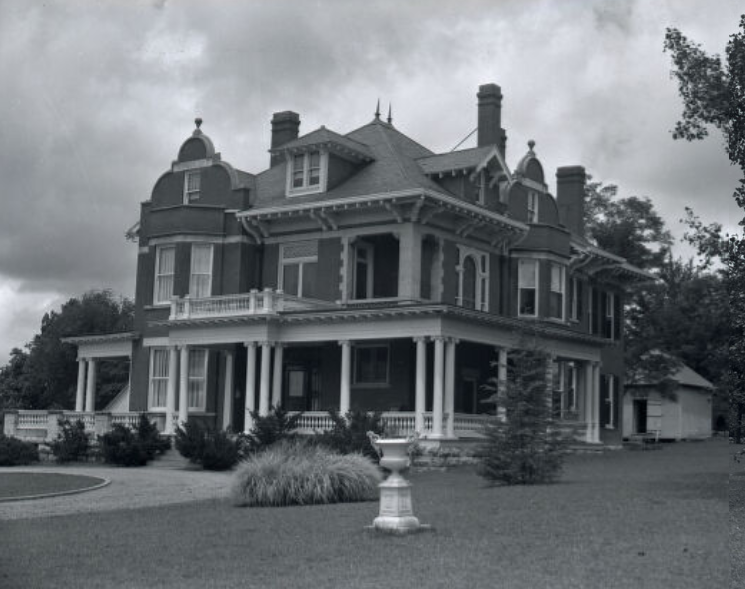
(133,447)
(269,429)
(15,452)
(349,434)
(122,446)
(294,472)
(526,447)
(72,441)
(213,450)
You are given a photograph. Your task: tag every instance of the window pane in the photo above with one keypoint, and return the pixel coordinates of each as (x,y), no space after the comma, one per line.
(555,305)
(469,283)
(291,279)
(197,364)
(314,175)
(527,301)
(526,273)
(298,171)
(371,365)
(309,279)
(557,282)
(201,258)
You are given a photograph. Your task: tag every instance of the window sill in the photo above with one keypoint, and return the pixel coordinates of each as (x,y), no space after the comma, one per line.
(157,306)
(371,385)
(304,190)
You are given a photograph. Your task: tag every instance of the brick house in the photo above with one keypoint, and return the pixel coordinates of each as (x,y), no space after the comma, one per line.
(361,270)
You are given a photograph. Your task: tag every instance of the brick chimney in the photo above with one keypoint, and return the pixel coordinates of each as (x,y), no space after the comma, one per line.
(285,128)
(570,196)
(490,131)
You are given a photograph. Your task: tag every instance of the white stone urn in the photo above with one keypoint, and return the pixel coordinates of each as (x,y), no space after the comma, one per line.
(396,514)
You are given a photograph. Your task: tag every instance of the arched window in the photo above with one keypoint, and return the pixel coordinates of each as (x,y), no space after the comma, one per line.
(473,279)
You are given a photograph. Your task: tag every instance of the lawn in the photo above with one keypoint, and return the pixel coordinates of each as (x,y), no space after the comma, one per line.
(618,520)
(737,520)
(25,484)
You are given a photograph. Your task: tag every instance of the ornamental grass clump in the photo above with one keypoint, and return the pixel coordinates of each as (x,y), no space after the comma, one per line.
(298,473)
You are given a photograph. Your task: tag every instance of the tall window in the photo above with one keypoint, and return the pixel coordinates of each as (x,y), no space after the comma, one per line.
(480,187)
(200,281)
(608,309)
(158,378)
(576,302)
(192,186)
(532,207)
(305,173)
(363,270)
(527,278)
(556,295)
(473,279)
(371,364)
(165,257)
(609,386)
(298,267)
(197,381)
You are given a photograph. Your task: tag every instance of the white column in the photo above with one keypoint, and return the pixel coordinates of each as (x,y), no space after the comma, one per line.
(502,382)
(278,373)
(90,392)
(171,388)
(227,402)
(437,401)
(450,387)
(596,402)
(588,411)
(250,385)
(264,377)
(421,384)
(183,386)
(80,394)
(346,377)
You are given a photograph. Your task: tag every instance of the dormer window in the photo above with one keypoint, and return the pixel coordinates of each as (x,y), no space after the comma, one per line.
(192,186)
(306,173)
(532,207)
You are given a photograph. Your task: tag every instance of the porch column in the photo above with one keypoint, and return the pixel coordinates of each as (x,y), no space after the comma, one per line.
(183,386)
(171,389)
(409,262)
(346,377)
(502,382)
(421,384)
(450,387)
(437,401)
(227,403)
(587,404)
(250,385)
(266,366)
(596,402)
(80,394)
(278,373)
(90,392)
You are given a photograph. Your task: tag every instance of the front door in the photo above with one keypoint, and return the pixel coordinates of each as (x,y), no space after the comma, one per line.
(301,391)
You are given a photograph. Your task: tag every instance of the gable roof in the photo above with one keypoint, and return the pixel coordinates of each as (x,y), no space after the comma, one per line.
(326,137)
(683,375)
(455,160)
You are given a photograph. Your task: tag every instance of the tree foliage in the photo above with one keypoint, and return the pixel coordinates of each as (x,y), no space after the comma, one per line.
(713,95)
(525,447)
(629,227)
(44,376)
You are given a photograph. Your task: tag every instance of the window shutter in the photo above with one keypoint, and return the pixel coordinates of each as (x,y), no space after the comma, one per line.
(605,401)
(618,317)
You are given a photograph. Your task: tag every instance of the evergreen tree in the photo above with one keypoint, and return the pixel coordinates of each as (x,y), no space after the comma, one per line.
(523,445)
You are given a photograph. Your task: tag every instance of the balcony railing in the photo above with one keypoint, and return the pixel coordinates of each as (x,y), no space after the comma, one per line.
(255,302)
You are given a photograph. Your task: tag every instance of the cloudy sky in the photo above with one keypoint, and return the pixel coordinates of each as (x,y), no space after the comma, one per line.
(98,96)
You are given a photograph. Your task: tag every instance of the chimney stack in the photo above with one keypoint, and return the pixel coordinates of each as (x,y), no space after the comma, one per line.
(285,128)
(490,131)
(570,196)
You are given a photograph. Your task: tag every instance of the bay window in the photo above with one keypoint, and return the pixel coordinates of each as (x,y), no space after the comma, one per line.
(556,294)
(527,288)
(165,259)
(158,378)
(200,281)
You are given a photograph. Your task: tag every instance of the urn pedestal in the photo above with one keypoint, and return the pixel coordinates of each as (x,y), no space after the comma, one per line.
(396,514)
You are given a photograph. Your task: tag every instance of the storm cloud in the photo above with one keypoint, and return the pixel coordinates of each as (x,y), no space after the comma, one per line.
(98,96)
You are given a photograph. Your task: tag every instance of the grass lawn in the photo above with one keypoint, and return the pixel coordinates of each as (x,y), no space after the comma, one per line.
(24,484)
(619,520)
(737,520)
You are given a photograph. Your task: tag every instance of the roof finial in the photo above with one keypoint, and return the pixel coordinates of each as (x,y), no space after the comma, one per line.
(531,145)
(390,117)
(198,122)
(377,111)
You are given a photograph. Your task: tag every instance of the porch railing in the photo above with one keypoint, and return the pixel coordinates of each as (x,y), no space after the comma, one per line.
(255,302)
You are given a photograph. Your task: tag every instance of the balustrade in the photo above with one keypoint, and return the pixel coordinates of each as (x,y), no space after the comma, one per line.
(256,302)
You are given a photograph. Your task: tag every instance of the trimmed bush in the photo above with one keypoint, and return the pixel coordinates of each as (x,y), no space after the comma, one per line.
(297,473)
(213,450)
(72,441)
(269,429)
(133,447)
(349,434)
(15,452)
